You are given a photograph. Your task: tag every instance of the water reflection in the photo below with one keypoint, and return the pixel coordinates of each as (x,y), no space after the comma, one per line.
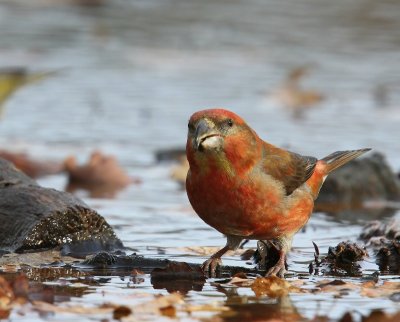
(280,309)
(131,72)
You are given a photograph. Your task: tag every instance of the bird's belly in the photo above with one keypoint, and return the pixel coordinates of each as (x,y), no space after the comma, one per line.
(250,210)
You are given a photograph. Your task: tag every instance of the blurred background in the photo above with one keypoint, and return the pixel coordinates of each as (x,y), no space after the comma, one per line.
(123,77)
(127,74)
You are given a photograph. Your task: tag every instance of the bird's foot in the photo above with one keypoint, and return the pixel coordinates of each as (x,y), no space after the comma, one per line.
(210,266)
(279,269)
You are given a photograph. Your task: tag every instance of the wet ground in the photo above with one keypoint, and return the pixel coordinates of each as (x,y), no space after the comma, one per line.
(130,73)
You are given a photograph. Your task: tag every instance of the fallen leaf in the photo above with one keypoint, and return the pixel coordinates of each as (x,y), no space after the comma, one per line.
(21,286)
(391,285)
(31,167)
(137,276)
(10,268)
(387,289)
(238,280)
(169,311)
(121,311)
(335,286)
(273,286)
(160,305)
(212,307)
(179,172)
(76,309)
(77,285)
(136,272)
(240,275)
(6,294)
(4,314)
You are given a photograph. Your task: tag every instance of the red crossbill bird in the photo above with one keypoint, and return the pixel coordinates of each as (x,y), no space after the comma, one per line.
(247,188)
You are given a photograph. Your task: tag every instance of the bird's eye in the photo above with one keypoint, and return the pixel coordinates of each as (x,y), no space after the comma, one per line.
(229,122)
(190,127)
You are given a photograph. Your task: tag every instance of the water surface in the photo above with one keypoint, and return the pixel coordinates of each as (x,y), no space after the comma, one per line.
(130,73)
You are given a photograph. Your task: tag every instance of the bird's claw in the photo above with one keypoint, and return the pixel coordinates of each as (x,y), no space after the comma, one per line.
(210,266)
(277,270)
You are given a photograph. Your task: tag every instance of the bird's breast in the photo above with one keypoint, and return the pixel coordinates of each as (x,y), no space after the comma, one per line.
(254,206)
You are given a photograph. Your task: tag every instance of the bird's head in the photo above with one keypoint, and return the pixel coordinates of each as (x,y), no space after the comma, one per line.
(221,137)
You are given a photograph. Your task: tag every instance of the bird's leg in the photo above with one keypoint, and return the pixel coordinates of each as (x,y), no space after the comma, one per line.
(279,268)
(244,243)
(211,264)
(282,246)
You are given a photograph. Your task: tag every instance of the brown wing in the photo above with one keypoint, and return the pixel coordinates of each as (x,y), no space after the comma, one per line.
(290,168)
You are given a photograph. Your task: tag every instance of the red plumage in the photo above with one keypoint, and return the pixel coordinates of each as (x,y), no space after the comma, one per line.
(247,188)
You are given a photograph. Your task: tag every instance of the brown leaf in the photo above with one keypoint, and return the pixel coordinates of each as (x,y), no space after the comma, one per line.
(4,314)
(212,307)
(273,286)
(179,172)
(136,272)
(102,176)
(21,286)
(121,311)
(241,282)
(10,268)
(346,318)
(159,303)
(6,294)
(391,285)
(387,289)
(137,276)
(335,286)
(76,309)
(31,167)
(240,275)
(169,311)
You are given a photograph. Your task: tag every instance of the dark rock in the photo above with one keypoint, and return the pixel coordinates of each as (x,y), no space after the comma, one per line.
(36,218)
(360,180)
(101,260)
(172,154)
(147,265)
(384,239)
(388,257)
(376,228)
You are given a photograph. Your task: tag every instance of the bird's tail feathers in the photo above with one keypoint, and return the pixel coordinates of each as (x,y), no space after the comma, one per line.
(339,158)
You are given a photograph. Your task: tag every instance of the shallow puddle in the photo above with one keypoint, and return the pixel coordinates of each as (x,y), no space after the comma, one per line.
(128,76)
